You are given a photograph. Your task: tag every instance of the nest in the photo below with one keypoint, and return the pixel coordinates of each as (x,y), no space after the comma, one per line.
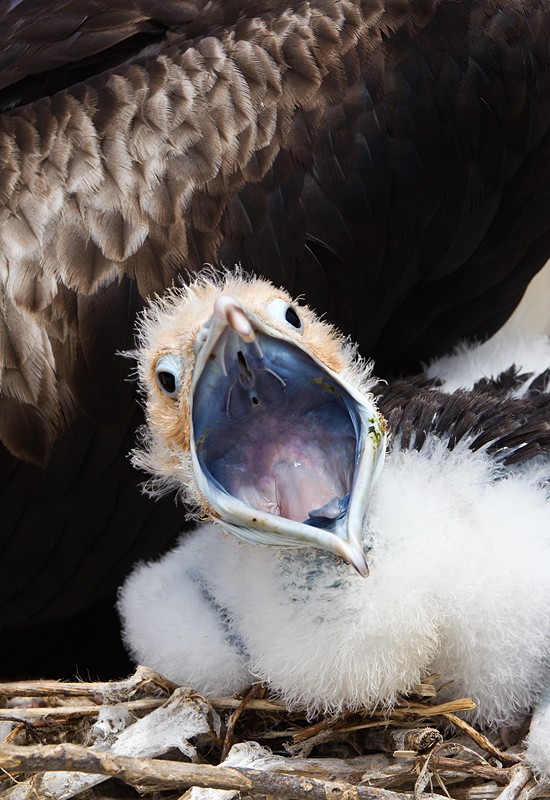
(146,737)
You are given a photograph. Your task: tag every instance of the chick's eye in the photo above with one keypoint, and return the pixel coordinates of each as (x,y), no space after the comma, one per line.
(167,375)
(292,317)
(167,382)
(281,310)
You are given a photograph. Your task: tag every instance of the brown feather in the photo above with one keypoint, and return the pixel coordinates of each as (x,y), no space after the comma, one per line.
(307,141)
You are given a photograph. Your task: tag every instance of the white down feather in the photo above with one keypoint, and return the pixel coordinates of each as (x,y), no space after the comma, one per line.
(459,584)
(471,362)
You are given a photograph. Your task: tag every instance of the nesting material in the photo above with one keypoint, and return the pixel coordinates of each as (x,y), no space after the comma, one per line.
(159,741)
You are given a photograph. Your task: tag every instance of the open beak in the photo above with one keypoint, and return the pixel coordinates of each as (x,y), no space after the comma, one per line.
(285,451)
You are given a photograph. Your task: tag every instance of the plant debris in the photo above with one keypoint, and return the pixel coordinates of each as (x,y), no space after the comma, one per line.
(147,737)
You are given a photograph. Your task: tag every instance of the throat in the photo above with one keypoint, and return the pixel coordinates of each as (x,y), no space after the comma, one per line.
(297,467)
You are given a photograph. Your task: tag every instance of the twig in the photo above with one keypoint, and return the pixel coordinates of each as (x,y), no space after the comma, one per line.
(424,777)
(481,791)
(398,714)
(533,789)
(59,713)
(478,767)
(145,704)
(498,774)
(143,679)
(20,725)
(270,706)
(176,775)
(410,739)
(521,774)
(416,711)
(234,718)
(480,739)
(422,710)
(426,688)
(321,727)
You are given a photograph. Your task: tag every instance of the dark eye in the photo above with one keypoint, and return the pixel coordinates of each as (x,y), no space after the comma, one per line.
(292,317)
(281,310)
(168,374)
(167,382)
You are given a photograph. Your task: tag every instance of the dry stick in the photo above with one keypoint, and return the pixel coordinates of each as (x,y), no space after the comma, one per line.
(469,756)
(373,770)
(304,748)
(269,706)
(423,710)
(318,728)
(143,679)
(520,776)
(60,713)
(479,791)
(423,778)
(20,724)
(498,774)
(163,775)
(534,789)
(145,704)
(480,739)
(174,774)
(234,718)
(404,739)
(398,714)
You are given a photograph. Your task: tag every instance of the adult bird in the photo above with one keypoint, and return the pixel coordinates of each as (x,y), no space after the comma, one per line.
(374,575)
(389,161)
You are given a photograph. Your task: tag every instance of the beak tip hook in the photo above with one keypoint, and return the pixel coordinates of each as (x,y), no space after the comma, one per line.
(230,311)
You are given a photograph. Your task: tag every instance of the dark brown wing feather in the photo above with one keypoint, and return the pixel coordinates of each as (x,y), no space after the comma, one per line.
(63,42)
(512,430)
(390,161)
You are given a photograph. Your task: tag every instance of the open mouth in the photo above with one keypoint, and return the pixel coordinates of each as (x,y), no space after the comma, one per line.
(283,451)
(275,431)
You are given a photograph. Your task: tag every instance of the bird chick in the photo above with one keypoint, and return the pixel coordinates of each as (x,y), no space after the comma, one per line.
(260,415)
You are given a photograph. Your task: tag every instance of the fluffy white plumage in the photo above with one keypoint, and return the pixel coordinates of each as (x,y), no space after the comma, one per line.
(468,363)
(459,584)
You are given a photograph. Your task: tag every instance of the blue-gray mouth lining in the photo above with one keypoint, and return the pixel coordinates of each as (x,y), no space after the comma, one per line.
(265,414)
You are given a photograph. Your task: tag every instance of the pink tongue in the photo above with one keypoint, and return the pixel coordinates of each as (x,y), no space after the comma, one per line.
(289,467)
(291,485)
(300,489)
